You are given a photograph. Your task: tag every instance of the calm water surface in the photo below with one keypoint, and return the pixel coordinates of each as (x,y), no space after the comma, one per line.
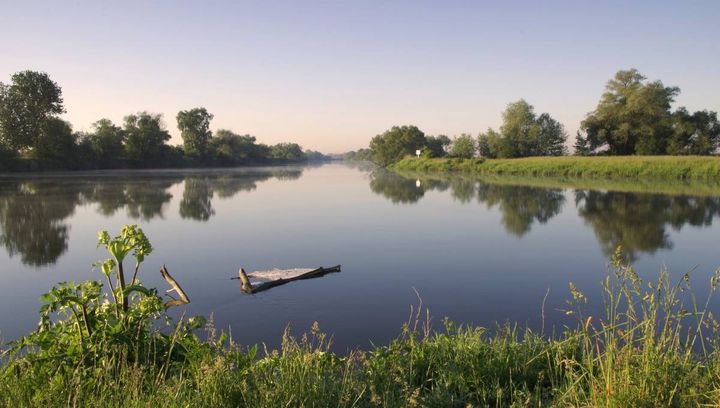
(478,251)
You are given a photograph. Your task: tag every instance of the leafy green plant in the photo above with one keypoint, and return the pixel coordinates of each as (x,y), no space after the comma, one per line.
(81,325)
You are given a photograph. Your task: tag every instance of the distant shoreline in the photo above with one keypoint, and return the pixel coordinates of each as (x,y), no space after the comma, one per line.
(601,167)
(52,170)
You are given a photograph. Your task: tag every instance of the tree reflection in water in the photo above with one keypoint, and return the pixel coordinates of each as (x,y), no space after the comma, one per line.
(520,206)
(639,221)
(636,220)
(34,213)
(31,220)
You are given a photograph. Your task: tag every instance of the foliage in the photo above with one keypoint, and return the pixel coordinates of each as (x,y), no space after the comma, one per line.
(697,133)
(396,143)
(106,141)
(145,136)
(463,147)
(194,126)
(230,148)
(82,328)
(634,117)
(32,137)
(287,152)
(437,145)
(25,105)
(315,156)
(524,134)
(56,141)
(358,155)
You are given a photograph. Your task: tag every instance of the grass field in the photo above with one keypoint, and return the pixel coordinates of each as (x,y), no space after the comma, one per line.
(657,167)
(653,347)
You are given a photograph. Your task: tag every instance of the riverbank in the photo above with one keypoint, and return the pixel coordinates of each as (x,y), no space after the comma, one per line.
(675,187)
(648,350)
(647,167)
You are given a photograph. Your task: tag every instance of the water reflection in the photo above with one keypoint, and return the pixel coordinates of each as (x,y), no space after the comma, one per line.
(637,220)
(142,199)
(396,188)
(196,201)
(33,213)
(31,221)
(521,206)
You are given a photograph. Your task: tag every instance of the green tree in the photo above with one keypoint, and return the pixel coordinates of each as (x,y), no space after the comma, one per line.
(581,146)
(231,148)
(106,141)
(490,144)
(25,105)
(145,136)
(437,145)
(463,147)
(552,137)
(696,133)
(290,152)
(632,117)
(524,134)
(194,126)
(520,131)
(396,143)
(56,141)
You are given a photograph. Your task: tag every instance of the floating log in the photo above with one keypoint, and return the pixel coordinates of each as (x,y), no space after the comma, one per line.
(263,280)
(174,287)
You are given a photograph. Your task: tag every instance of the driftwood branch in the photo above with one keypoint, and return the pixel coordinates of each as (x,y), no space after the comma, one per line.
(174,287)
(247,287)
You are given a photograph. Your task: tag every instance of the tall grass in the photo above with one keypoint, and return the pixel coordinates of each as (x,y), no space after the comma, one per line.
(654,346)
(660,167)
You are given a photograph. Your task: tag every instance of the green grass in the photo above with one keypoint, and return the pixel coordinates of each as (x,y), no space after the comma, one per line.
(654,346)
(707,188)
(654,167)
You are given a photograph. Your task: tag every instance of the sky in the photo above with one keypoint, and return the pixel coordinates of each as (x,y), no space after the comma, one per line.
(330,75)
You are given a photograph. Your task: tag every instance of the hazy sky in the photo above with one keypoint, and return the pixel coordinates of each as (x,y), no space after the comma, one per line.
(332,74)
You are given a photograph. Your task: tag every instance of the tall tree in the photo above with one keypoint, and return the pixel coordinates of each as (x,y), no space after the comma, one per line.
(490,144)
(520,130)
(395,143)
(437,145)
(194,126)
(56,141)
(463,147)
(106,141)
(25,105)
(145,136)
(551,141)
(523,134)
(696,133)
(632,117)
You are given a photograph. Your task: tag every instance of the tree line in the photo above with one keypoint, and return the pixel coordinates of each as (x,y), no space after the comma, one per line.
(33,136)
(633,117)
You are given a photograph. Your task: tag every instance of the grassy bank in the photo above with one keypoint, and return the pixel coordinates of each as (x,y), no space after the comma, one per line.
(694,187)
(653,347)
(656,167)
